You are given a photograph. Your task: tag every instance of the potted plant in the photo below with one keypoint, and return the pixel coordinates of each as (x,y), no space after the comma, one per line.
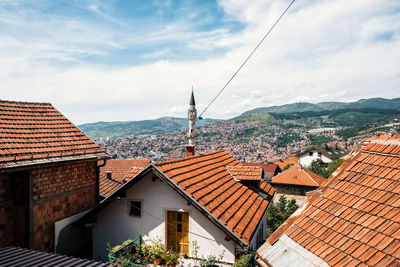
(172,258)
(145,253)
(157,252)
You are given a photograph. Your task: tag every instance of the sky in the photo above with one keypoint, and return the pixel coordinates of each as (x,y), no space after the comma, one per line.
(128,60)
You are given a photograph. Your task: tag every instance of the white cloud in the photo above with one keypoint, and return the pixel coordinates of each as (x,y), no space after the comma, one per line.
(321,51)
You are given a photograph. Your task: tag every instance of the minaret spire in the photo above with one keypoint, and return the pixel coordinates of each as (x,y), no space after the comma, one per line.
(192,116)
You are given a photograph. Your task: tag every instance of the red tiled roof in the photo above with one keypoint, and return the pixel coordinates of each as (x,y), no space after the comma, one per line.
(355,220)
(298,176)
(206,179)
(271,168)
(245,172)
(290,160)
(34,133)
(122,171)
(267,188)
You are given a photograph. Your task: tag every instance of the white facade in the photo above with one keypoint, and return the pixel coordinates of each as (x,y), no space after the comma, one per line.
(306,158)
(114,225)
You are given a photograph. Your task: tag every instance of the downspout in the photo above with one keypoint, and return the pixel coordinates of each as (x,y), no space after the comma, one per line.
(198,205)
(97,182)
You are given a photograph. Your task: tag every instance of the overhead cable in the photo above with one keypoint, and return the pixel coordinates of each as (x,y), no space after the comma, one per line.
(244,62)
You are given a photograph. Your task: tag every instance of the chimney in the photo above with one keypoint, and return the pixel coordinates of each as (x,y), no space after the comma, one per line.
(109,174)
(192,116)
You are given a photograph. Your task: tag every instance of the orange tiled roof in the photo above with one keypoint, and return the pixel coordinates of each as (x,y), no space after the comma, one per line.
(34,133)
(122,171)
(271,168)
(298,176)
(290,160)
(355,220)
(206,179)
(267,188)
(245,172)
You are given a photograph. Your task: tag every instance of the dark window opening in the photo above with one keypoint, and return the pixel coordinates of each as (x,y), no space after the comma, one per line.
(136,208)
(310,154)
(179,228)
(179,217)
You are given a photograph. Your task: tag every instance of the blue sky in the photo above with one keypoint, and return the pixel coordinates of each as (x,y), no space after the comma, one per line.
(133,60)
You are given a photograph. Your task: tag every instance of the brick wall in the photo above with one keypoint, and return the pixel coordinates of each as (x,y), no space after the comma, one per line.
(58,193)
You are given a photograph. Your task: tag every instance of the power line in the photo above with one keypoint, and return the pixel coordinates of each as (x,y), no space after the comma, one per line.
(244,62)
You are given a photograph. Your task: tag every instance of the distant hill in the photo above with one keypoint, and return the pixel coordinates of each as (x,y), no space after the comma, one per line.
(357,115)
(124,128)
(372,103)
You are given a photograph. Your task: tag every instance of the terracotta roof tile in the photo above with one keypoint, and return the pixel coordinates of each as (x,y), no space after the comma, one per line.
(33,133)
(206,178)
(290,160)
(268,168)
(121,171)
(356,219)
(296,175)
(245,172)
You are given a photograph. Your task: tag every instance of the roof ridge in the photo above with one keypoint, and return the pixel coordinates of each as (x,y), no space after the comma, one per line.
(25,102)
(188,158)
(308,173)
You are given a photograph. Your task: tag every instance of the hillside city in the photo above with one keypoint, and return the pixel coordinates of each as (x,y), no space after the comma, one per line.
(248,142)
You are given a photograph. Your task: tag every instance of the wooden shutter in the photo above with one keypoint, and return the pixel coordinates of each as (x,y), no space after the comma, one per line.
(177,226)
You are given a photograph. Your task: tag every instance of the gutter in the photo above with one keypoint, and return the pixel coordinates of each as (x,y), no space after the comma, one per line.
(200,206)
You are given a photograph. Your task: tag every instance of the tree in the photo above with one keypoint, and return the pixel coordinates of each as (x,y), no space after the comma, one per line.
(319,167)
(323,169)
(279,212)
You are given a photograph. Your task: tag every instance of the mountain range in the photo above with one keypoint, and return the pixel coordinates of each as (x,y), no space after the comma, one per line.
(324,114)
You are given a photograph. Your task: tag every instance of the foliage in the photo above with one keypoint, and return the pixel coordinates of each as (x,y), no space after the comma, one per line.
(278,213)
(319,167)
(323,169)
(287,166)
(332,166)
(157,250)
(142,254)
(244,261)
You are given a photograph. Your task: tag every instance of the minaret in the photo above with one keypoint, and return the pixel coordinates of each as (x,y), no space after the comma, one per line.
(192,116)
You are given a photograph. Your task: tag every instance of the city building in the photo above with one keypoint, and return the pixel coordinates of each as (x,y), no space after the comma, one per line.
(326,153)
(181,201)
(295,182)
(48,171)
(199,200)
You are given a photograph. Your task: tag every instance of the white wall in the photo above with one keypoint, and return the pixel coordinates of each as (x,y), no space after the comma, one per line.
(305,160)
(114,225)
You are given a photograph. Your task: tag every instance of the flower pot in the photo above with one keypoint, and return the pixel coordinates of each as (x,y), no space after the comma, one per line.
(157,261)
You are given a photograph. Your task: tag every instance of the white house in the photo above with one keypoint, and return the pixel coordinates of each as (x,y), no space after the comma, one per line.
(194,199)
(326,153)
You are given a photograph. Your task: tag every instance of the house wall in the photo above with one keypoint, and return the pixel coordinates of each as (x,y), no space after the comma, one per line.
(295,192)
(59,192)
(114,225)
(305,160)
(13,209)
(260,234)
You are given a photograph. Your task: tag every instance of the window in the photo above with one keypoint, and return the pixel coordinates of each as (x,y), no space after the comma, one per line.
(310,153)
(319,154)
(177,226)
(135,208)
